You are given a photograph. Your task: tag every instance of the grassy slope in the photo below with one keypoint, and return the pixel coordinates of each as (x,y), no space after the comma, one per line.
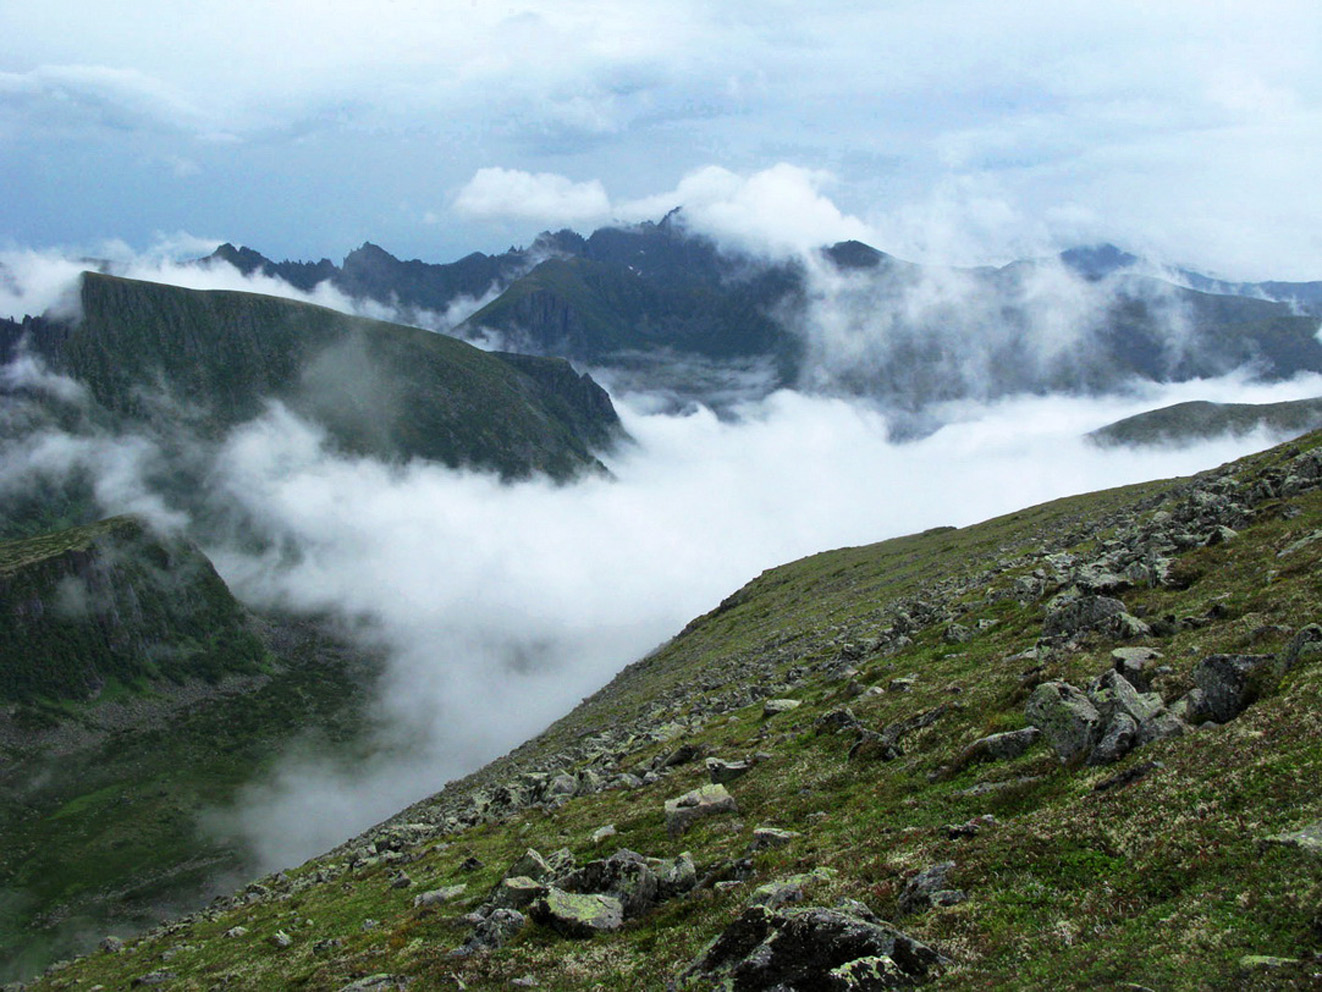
(1162,883)
(1189,422)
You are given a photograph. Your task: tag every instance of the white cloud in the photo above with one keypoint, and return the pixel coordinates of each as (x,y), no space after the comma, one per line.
(502,605)
(779,209)
(545,197)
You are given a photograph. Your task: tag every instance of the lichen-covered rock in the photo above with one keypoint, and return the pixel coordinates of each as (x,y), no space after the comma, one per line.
(709,800)
(1119,738)
(674,876)
(531,865)
(437,897)
(998,747)
(625,875)
(774,707)
(765,838)
(517,892)
(811,948)
(1067,717)
(578,914)
(929,888)
(492,931)
(1233,682)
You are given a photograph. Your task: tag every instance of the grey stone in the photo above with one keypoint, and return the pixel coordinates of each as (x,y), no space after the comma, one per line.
(1134,664)
(774,707)
(1073,614)
(154,978)
(625,875)
(927,889)
(999,747)
(709,800)
(1233,682)
(674,876)
(601,833)
(1067,717)
(1120,738)
(531,865)
(493,931)
(765,838)
(562,786)
(517,892)
(835,721)
(111,945)
(437,897)
(723,772)
(766,950)
(280,939)
(578,914)
(1307,643)
(376,983)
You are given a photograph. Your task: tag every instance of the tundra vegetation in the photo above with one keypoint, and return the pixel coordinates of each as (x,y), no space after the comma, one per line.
(1076,746)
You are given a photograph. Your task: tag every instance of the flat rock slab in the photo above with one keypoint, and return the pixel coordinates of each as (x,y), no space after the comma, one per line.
(1308,840)
(774,707)
(710,800)
(578,915)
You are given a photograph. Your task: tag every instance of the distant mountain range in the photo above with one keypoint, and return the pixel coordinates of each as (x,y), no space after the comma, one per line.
(637,303)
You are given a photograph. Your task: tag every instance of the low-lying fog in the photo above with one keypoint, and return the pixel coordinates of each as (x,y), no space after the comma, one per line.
(503,605)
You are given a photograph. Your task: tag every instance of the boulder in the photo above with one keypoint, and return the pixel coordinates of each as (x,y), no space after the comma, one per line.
(709,800)
(1232,682)
(578,915)
(1075,615)
(437,897)
(517,892)
(531,865)
(765,838)
(625,875)
(721,772)
(774,707)
(1307,643)
(674,876)
(808,948)
(492,931)
(929,888)
(1134,664)
(1067,717)
(1120,737)
(998,747)
(835,721)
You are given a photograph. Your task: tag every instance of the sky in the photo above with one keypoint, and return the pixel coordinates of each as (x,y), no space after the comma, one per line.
(965,131)
(956,131)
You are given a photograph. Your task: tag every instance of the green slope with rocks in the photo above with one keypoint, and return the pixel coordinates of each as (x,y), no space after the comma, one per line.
(1076,746)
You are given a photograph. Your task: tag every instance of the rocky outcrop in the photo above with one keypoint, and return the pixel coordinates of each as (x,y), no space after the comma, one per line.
(834,950)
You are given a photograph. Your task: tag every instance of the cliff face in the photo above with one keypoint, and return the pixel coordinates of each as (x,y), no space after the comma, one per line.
(110,601)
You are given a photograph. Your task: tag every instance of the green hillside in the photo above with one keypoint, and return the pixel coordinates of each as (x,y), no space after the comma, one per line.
(1185,423)
(171,357)
(1073,747)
